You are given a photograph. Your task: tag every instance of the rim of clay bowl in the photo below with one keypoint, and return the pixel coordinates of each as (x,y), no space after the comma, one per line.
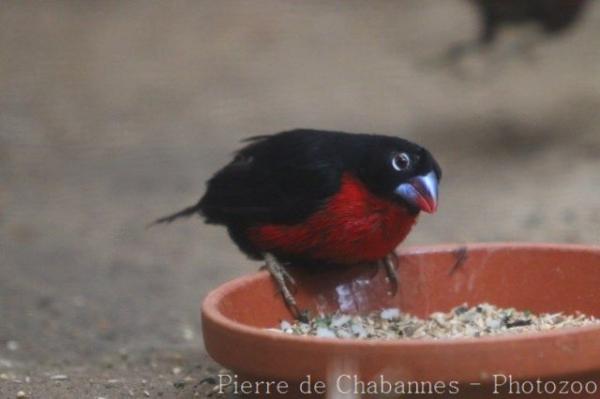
(211,311)
(577,339)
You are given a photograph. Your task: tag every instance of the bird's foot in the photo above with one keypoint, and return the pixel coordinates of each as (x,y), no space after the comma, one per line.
(389,263)
(287,277)
(283,279)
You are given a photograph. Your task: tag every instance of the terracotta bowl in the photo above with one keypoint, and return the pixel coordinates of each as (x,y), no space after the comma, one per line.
(538,277)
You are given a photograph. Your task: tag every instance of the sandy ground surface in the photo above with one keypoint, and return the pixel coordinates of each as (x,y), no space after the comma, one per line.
(113,113)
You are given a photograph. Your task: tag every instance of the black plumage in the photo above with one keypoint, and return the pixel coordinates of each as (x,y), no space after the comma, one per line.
(553,16)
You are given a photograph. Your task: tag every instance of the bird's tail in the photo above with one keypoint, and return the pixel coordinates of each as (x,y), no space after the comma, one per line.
(187,212)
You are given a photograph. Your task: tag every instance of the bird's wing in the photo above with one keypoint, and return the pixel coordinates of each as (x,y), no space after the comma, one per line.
(280,180)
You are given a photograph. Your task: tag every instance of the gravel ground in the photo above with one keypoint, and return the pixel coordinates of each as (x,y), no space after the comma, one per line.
(114,113)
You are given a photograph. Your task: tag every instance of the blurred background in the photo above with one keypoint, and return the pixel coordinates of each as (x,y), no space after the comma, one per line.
(114,113)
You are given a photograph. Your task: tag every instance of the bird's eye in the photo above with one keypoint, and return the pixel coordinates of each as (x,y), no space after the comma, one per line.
(401,161)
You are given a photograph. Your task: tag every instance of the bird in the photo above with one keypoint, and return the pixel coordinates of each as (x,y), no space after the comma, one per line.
(313,198)
(553,17)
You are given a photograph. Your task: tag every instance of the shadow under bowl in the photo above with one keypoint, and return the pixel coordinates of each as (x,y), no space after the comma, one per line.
(537,277)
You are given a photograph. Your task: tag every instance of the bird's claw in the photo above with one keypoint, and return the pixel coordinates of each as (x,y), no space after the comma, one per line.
(288,277)
(282,277)
(390,262)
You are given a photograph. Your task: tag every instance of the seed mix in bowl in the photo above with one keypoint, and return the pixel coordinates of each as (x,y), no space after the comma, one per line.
(460,322)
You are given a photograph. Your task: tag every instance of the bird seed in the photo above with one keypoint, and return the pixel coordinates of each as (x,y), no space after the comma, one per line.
(460,322)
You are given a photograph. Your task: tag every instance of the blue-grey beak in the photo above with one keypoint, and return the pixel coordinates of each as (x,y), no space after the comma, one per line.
(421,191)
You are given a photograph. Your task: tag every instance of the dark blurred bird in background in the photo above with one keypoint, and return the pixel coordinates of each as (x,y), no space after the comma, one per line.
(552,17)
(313,198)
